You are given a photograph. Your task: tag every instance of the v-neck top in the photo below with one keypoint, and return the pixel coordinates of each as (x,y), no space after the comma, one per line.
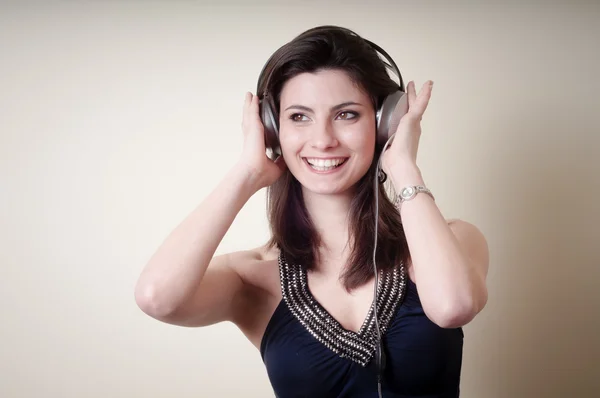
(307,353)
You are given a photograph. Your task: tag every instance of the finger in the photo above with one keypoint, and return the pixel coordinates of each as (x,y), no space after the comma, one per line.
(256,116)
(410,91)
(424,96)
(426,88)
(256,106)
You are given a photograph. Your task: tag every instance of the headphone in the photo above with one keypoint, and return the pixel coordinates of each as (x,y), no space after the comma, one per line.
(388,114)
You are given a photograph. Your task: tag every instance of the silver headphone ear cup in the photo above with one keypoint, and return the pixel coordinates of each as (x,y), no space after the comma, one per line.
(271,131)
(391,111)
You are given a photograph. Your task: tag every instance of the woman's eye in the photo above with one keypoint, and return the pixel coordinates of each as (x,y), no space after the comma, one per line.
(297,117)
(347,115)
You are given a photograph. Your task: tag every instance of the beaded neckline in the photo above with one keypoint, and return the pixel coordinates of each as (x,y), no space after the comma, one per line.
(356,346)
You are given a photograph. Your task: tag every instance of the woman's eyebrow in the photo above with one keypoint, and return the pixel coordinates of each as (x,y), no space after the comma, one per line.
(332,109)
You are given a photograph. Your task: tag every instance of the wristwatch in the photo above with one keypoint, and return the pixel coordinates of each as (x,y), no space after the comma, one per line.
(409,192)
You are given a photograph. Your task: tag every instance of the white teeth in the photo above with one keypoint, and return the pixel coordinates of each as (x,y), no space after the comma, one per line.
(324,164)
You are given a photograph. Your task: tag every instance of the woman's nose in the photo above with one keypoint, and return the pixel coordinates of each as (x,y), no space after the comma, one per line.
(323,136)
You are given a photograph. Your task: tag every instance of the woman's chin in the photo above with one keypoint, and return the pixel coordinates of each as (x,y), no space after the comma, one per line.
(323,188)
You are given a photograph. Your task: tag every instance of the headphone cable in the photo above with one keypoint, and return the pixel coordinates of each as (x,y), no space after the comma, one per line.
(379,354)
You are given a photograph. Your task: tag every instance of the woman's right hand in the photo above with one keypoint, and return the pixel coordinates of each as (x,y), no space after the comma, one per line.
(262,170)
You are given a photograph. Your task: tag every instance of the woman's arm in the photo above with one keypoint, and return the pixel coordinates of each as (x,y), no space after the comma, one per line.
(450,260)
(182,283)
(175,286)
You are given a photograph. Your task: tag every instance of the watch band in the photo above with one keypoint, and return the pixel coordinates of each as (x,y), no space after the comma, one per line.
(409,192)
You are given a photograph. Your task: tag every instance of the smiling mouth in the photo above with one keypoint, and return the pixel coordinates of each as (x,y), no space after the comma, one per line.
(322,165)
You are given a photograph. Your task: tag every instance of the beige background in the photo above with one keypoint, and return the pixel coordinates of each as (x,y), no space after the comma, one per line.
(116,119)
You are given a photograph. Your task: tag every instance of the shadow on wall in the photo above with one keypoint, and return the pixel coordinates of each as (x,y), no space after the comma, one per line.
(539,334)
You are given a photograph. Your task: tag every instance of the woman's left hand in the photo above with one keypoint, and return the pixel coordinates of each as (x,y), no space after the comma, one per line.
(403,150)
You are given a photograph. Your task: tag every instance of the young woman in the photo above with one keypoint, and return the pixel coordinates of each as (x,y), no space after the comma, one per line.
(305,299)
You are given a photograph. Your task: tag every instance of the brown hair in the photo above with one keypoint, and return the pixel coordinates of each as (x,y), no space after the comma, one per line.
(331,47)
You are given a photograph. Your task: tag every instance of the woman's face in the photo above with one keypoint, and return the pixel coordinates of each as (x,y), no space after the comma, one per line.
(327,131)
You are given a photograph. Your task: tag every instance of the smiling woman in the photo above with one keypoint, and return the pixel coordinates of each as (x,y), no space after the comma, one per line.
(354,294)
(325,132)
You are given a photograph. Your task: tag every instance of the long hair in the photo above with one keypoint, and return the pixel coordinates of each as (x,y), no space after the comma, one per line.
(292,231)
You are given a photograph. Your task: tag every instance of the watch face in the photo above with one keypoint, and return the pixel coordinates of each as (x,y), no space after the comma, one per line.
(407,192)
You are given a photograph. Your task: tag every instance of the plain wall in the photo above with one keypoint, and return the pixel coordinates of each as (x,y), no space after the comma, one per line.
(118,117)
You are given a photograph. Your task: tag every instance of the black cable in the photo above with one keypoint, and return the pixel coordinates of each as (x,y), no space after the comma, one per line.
(379,353)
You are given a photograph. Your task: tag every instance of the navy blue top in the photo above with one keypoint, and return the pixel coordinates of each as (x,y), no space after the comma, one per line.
(423,359)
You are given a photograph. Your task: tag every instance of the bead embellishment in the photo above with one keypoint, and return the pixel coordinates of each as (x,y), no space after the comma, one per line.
(357,346)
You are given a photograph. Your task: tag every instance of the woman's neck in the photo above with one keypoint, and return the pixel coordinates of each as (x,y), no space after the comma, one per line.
(330,214)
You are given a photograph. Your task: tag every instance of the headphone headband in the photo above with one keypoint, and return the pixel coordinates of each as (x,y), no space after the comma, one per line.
(388,58)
